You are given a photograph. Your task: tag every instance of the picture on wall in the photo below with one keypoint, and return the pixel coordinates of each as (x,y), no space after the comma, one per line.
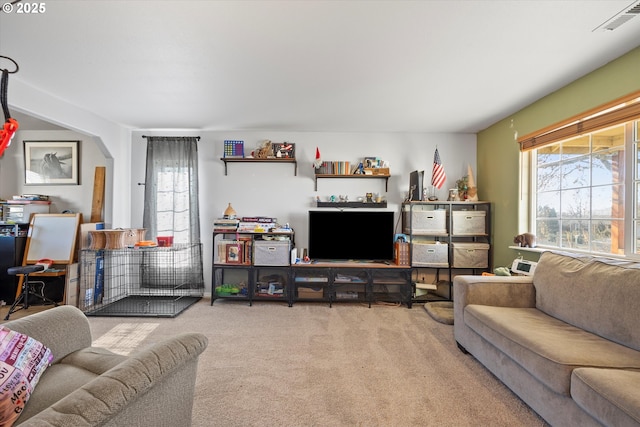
(51,162)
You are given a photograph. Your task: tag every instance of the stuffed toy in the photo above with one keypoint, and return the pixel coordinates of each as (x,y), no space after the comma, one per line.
(525,240)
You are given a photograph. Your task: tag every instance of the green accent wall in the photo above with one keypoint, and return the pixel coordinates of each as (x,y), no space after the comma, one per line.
(499,154)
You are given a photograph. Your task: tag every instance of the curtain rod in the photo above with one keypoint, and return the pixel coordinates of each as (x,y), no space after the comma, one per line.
(197,137)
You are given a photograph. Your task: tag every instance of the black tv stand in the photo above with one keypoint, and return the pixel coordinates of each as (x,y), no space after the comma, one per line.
(352,281)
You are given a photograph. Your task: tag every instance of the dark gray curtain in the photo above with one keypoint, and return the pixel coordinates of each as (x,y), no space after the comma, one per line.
(171,189)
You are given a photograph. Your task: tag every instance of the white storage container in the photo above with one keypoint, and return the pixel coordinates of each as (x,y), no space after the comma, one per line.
(271,252)
(470,255)
(468,223)
(430,254)
(431,221)
(21,213)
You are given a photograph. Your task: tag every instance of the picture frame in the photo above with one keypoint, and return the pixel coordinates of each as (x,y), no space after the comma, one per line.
(284,150)
(370,162)
(51,162)
(234,253)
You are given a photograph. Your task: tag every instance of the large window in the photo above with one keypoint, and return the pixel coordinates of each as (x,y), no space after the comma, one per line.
(585,185)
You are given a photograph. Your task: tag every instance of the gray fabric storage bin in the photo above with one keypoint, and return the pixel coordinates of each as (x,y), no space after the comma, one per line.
(470,255)
(430,254)
(271,252)
(468,223)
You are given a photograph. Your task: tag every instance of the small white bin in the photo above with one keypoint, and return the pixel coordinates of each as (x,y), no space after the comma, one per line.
(430,254)
(470,255)
(468,223)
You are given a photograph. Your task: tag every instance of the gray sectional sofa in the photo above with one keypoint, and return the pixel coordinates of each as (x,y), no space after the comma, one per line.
(565,340)
(91,386)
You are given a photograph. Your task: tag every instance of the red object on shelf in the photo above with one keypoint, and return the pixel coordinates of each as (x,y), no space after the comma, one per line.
(165,240)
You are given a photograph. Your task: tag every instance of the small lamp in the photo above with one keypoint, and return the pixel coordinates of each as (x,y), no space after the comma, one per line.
(229,213)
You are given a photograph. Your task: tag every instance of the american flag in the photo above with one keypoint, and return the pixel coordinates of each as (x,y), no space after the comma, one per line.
(437,176)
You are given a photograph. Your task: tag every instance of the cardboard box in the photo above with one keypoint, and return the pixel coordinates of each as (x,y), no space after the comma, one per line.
(470,255)
(72,285)
(271,252)
(310,293)
(468,223)
(430,254)
(85,241)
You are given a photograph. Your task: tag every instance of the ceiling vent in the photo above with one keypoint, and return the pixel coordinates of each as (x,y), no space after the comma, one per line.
(620,18)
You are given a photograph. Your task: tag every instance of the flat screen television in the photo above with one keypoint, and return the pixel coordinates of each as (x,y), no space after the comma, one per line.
(356,235)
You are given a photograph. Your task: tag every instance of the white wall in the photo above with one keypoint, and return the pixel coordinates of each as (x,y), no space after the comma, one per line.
(272,189)
(111,139)
(75,198)
(253,189)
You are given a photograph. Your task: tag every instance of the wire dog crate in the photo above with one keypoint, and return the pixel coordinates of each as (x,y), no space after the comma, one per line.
(154,282)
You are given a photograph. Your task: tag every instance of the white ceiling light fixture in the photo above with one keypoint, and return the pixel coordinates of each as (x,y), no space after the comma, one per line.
(620,18)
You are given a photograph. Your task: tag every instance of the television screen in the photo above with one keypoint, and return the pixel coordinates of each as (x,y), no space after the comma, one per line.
(415,185)
(351,235)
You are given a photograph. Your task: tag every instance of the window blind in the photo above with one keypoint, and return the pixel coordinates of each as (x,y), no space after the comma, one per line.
(615,113)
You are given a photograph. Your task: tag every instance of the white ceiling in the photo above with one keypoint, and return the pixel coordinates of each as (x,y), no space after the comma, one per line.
(306,65)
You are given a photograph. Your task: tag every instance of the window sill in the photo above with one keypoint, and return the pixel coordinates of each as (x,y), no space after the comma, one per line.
(524,249)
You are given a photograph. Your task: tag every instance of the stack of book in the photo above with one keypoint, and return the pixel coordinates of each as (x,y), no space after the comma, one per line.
(401,253)
(256,224)
(334,168)
(226,225)
(32,197)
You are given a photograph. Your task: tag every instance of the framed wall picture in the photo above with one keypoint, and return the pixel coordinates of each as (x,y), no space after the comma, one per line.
(234,253)
(284,150)
(51,162)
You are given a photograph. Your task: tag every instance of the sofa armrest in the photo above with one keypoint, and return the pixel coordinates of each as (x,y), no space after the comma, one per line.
(152,387)
(500,291)
(63,329)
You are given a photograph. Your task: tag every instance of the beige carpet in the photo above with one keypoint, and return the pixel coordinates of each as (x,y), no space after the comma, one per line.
(311,365)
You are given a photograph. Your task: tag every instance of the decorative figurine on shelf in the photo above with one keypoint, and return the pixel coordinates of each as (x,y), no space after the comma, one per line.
(229,213)
(462,185)
(525,240)
(369,198)
(264,151)
(472,190)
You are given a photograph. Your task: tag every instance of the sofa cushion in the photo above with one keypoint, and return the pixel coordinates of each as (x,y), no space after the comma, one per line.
(22,362)
(57,382)
(598,295)
(612,396)
(69,374)
(93,359)
(547,348)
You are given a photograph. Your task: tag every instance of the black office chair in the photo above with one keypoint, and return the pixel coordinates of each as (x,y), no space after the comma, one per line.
(27,288)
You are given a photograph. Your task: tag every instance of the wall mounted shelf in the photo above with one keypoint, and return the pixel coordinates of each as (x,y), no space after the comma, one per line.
(227,160)
(351,204)
(353,176)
